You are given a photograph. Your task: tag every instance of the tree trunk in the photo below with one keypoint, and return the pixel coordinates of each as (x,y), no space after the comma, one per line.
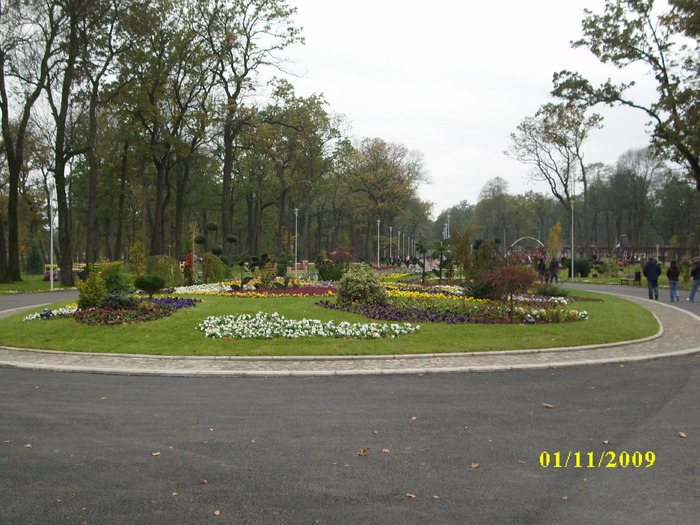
(122,202)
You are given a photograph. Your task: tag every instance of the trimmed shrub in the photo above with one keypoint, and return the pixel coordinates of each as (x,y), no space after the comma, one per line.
(361,284)
(118,302)
(166,268)
(150,284)
(583,267)
(213,269)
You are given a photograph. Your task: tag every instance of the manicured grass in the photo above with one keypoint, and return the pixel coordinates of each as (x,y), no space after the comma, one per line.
(29,284)
(613,319)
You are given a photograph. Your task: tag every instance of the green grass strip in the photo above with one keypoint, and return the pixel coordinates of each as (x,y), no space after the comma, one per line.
(613,319)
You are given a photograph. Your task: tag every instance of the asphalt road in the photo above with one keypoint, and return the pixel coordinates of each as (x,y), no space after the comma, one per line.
(100,449)
(442,448)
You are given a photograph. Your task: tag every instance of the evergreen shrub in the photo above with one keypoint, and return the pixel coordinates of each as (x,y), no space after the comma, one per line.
(166,268)
(118,302)
(213,269)
(363,285)
(92,290)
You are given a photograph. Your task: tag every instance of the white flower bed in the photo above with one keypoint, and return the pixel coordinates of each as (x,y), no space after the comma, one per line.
(270,326)
(203,288)
(67,310)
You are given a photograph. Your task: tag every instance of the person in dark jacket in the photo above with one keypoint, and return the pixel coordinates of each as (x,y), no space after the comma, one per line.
(695,274)
(673,273)
(652,271)
(554,270)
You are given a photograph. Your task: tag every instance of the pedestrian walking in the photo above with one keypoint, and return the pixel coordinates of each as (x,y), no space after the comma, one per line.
(695,274)
(673,273)
(542,270)
(554,270)
(652,271)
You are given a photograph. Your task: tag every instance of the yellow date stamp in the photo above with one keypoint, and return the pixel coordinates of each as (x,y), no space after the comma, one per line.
(607,459)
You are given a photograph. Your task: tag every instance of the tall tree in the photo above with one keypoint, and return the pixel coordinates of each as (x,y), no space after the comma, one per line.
(243,36)
(633,32)
(27,43)
(552,142)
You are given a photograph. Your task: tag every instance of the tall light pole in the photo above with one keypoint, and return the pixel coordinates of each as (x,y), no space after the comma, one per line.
(390,254)
(296,236)
(398,243)
(51,233)
(379,221)
(573,256)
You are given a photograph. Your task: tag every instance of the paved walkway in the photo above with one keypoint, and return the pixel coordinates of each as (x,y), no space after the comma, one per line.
(679,336)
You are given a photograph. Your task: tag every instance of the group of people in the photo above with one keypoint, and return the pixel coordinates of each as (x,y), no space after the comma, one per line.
(652,271)
(549,274)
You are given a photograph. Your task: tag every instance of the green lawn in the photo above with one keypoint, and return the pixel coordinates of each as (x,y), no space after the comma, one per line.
(613,319)
(29,284)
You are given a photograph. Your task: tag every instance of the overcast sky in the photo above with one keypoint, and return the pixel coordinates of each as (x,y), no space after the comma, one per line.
(452,80)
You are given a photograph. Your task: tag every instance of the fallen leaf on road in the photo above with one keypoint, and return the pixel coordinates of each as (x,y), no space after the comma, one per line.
(386,450)
(155,453)
(474,465)
(28,445)
(682,434)
(522,461)
(213,429)
(217,513)
(565,498)
(547,405)
(203,482)
(436,497)
(409,495)
(363,452)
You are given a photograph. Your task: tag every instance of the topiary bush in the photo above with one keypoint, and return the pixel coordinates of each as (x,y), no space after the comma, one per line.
(213,269)
(166,268)
(583,267)
(118,302)
(361,284)
(150,284)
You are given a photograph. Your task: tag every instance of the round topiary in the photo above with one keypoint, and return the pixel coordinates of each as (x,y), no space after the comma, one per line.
(150,284)
(200,239)
(232,239)
(361,284)
(217,250)
(212,226)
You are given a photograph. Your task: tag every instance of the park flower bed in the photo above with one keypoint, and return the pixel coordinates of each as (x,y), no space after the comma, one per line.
(428,308)
(274,326)
(300,289)
(146,311)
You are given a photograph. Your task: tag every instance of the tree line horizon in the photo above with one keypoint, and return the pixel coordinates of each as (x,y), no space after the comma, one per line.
(143,121)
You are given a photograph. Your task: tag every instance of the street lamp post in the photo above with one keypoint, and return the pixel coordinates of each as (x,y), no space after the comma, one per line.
(398,243)
(296,236)
(51,233)
(390,254)
(379,221)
